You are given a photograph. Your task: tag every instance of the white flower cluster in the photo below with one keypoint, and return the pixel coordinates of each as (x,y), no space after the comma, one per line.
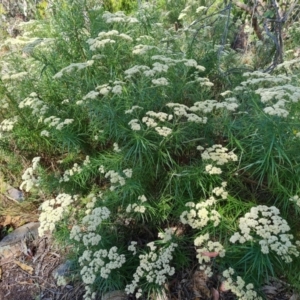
(39,108)
(137,69)
(116,88)
(160,81)
(100,262)
(264,225)
(239,287)
(72,68)
(208,249)
(166,235)
(116,179)
(181,110)
(132,109)
(142,49)
(118,17)
(8,124)
(277,93)
(71,172)
(137,207)
(163,131)
(220,191)
(132,247)
(154,267)
(134,124)
(200,214)
(105,38)
(90,95)
(29,178)
(56,122)
(53,211)
(150,121)
(4,103)
(116,147)
(219,155)
(296,200)
(208,246)
(16,76)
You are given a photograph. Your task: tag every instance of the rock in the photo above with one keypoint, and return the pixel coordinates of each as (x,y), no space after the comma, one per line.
(27,230)
(15,194)
(62,269)
(115,295)
(10,192)
(9,251)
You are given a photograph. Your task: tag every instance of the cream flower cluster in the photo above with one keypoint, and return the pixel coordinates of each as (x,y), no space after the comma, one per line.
(100,262)
(207,245)
(52,211)
(166,235)
(8,124)
(116,179)
(200,214)
(220,191)
(105,38)
(154,267)
(132,247)
(16,76)
(118,17)
(29,178)
(135,125)
(142,49)
(277,94)
(160,81)
(135,70)
(151,120)
(116,147)
(104,89)
(73,68)
(239,287)
(163,131)
(114,87)
(219,155)
(296,200)
(181,110)
(56,122)
(137,207)
(71,172)
(132,109)
(39,108)
(208,249)
(264,225)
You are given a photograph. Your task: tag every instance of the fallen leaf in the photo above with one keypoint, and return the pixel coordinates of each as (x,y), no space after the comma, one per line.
(24,267)
(7,221)
(210,254)
(1,273)
(215,294)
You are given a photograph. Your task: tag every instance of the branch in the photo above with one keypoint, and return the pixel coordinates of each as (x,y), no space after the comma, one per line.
(251,11)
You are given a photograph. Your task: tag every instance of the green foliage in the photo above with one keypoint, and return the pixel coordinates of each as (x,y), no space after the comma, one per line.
(124,5)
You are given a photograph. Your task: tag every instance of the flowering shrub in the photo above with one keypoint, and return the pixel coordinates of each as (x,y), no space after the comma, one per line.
(152,159)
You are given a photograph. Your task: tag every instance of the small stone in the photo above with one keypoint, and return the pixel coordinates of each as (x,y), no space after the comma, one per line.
(115,295)
(15,194)
(27,230)
(62,269)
